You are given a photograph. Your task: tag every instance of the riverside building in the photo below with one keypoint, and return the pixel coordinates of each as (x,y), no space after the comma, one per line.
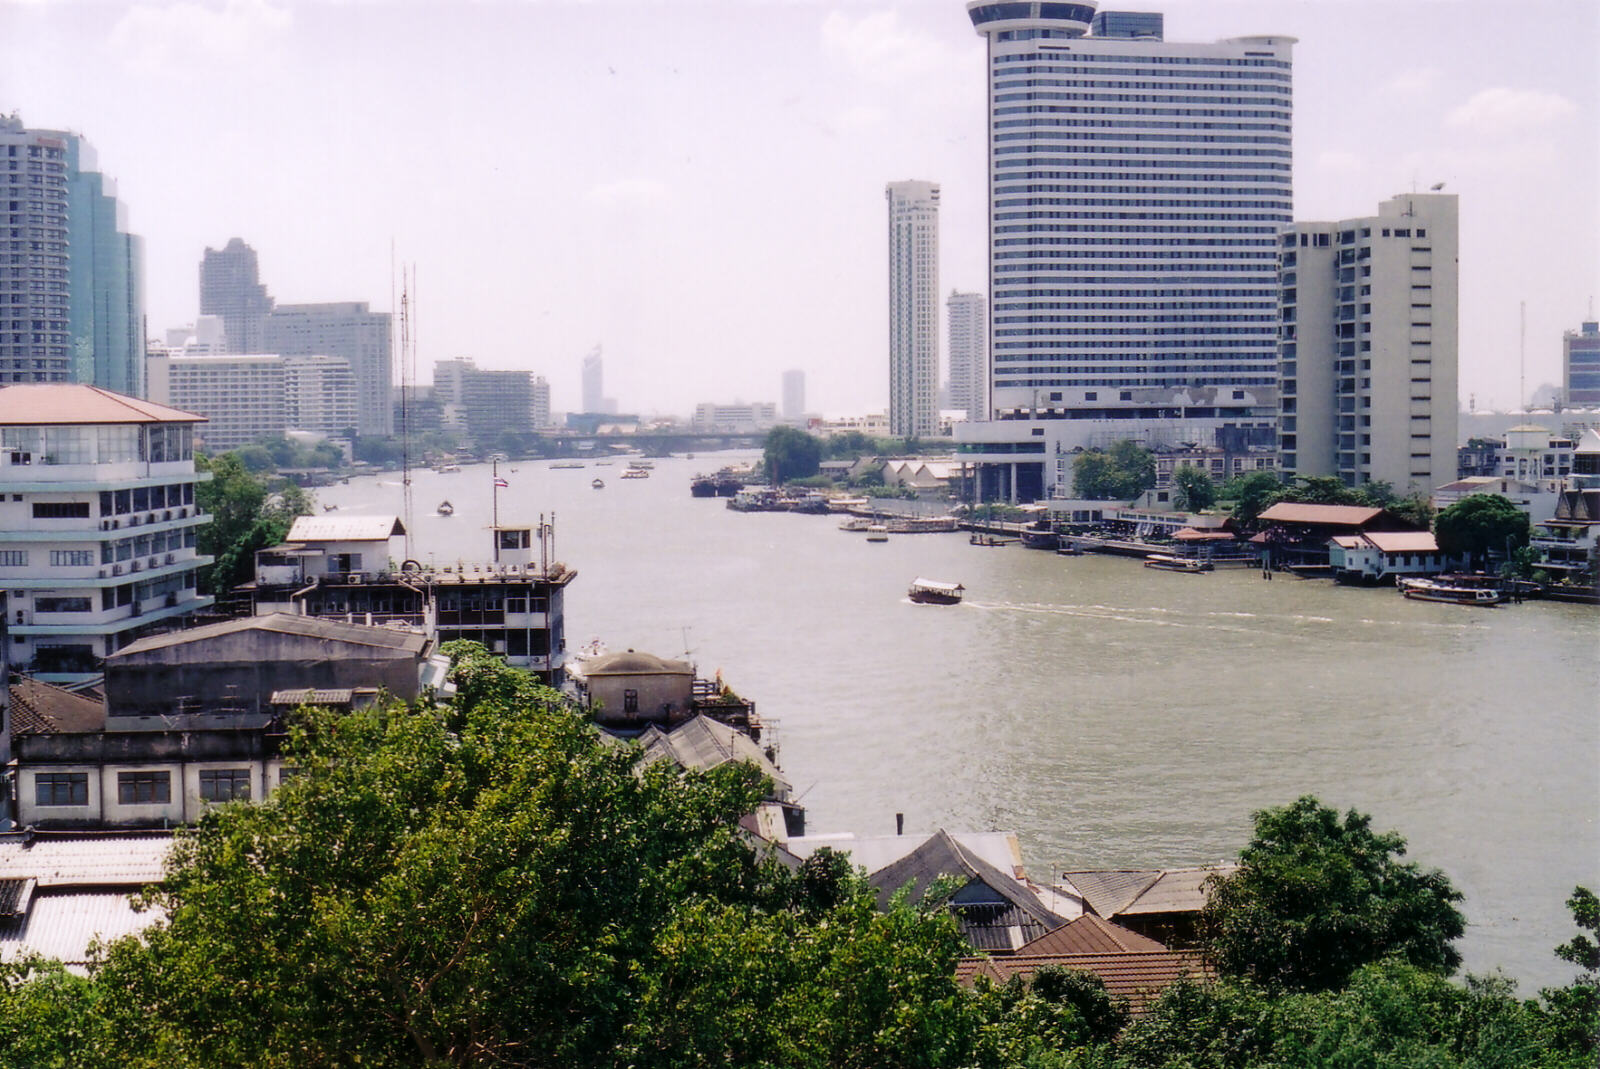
(1369,313)
(969,353)
(250,396)
(97,525)
(913,308)
(1580,366)
(1136,190)
(355,334)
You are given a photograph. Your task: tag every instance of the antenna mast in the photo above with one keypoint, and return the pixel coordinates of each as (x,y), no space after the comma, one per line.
(1522,358)
(407,380)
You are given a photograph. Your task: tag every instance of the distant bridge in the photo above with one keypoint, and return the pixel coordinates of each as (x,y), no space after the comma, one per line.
(656,443)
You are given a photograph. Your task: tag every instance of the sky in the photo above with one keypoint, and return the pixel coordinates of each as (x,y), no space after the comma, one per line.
(698,185)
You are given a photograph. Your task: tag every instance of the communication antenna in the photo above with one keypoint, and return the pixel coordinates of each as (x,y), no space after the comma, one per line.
(1522,359)
(407,379)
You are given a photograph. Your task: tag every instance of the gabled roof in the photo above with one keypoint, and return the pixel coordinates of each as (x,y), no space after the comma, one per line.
(65,404)
(1108,891)
(1138,977)
(1403,541)
(38,708)
(1326,515)
(1130,892)
(282,623)
(1089,934)
(701,743)
(345,528)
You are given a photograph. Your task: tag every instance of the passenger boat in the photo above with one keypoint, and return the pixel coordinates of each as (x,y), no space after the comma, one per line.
(446,509)
(856,523)
(1457,594)
(447,468)
(636,473)
(567,464)
(934,592)
(598,484)
(1168,562)
(877,532)
(1039,540)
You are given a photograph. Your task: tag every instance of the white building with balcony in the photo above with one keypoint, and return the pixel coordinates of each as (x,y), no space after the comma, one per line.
(98,523)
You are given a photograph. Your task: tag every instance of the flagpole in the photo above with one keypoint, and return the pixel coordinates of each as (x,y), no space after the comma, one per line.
(495,516)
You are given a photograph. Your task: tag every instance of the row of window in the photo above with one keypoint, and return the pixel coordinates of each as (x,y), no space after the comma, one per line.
(140,788)
(1170,97)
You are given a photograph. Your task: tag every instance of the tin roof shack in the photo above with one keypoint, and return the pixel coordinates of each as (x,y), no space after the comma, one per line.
(59,893)
(1299,534)
(1382,556)
(193,718)
(1161,904)
(627,691)
(340,568)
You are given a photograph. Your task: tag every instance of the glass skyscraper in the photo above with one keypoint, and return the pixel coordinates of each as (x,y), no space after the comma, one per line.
(1136,190)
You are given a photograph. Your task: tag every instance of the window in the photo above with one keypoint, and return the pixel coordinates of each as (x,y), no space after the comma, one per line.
(61,788)
(13,558)
(71,558)
(63,605)
(630,701)
(61,510)
(144,788)
(224,784)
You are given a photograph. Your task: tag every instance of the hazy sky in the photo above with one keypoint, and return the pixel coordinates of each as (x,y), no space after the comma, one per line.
(698,186)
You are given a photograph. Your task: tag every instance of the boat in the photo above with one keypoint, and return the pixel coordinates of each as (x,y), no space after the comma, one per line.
(703,486)
(756,499)
(567,464)
(877,532)
(598,484)
(856,523)
(446,509)
(980,538)
(1038,540)
(636,473)
(935,592)
(330,508)
(446,469)
(642,465)
(1454,593)
(1069,547)
(1170,563)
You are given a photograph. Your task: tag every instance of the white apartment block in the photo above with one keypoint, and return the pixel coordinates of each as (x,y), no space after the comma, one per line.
(251,396)
(969,353)
(1368,353)
(97,524)
(347,329)
(735,418)
(1136,190)
(913,308)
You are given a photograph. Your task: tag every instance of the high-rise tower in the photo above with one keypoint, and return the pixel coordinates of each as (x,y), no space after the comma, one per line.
(913,308)
(347,329)
(794,394)
(230,287)
(1136,188)
(969,353)
(594,384)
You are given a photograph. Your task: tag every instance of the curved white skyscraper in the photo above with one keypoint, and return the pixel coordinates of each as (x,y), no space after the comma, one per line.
(913,308)
(1136,189)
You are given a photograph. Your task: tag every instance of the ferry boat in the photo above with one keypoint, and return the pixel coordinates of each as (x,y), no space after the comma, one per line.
(598,484)
(447,468)
(567,464)
(1456,594)
(1168,562)
(636,473)
(934,592)
(877,532)
(446,509)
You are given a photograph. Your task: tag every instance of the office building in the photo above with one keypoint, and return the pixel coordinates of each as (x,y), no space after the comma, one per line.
(484,404)
(71,276)
(351,331)
(594,385)
(1580,366)
(1369,313)
(969,353)
(913,308)
(794,395)
(231,287)
(248,397)
(98,518)
(735,418)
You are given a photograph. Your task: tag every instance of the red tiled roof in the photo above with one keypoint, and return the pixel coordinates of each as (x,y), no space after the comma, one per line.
(65,403)
(1325,515)
(1088,935)
(1138,977)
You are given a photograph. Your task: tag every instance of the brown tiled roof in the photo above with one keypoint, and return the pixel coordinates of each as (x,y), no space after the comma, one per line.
(38,708)
(1089,935)
(1403,541)
(65,403)
(1324,515)
(1138,977)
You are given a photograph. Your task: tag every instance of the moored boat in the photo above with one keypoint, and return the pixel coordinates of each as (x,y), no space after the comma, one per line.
(636,473)
(935,592)
(877,532)
(1169,562)
(1454,593)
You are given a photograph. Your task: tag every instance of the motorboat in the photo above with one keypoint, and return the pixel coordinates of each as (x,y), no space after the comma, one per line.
(1454,593)
(877,532)
(598,484)
(1169,562)
(935,592)
(446,509)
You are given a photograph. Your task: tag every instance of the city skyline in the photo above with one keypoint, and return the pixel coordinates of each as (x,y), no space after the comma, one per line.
(225,120)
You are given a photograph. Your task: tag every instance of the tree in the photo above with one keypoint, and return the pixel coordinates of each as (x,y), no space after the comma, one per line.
(1121,473)
(1252,494)
(486,883)
(1575,1009)
(1193,488)
(1316,897)
(244,518)
(790,453)
(1479,523)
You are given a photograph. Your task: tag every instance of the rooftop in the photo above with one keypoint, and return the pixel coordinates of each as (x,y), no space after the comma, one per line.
(1329,515)
(1137,977)
(38,708)
(282,623)
(63,403)
(345,528)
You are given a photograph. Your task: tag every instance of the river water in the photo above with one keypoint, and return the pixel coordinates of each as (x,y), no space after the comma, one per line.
(1112,715)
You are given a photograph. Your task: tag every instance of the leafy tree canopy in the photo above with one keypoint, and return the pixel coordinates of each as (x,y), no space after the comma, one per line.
(1120,473)
(790,453)
(1252,494)
(245,517)
(1194,489)
(1317,896)
(1479,523)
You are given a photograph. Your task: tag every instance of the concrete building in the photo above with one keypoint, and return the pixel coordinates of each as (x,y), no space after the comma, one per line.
(969,353)
(738,417)
(1368,368)
(594,381)
(98,522)
(1580,366)
(484,404)
(231,287)
(247,397)
(1136,190)
(794,396)
(71,275)
(913,308)
(351,331)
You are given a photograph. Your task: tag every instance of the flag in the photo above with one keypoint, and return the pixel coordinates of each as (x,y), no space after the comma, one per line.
(501,484)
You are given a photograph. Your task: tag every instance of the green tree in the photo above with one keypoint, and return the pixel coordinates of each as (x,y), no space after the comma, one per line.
(1193,488)
(1252,494)
(1575,1009)
(1323,490)
(1479,524)
(486,883)
(1315,897)
(1121,473)
(244,519)
(790,453)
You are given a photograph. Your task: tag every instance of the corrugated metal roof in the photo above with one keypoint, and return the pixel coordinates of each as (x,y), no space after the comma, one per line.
(1403,541)
(1138,977)
(702,743)
(345,528)
(312,696)
(111,859)
(1175,891)
(283,623)
(62,925)
(1108,891)
(1325,515)
(63,403)
(15,895)
(1089,935)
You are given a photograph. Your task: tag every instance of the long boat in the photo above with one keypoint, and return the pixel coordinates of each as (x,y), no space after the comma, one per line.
(935,592)
(1455,594)
(1169,562)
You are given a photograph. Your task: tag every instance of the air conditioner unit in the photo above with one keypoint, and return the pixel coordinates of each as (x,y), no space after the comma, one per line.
(133,566)
(116,569)
(155,562)
(167,515)
(133,521)
(171,557)
(104,572)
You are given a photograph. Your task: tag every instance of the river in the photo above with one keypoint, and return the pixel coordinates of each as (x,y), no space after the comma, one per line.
(1112,715)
